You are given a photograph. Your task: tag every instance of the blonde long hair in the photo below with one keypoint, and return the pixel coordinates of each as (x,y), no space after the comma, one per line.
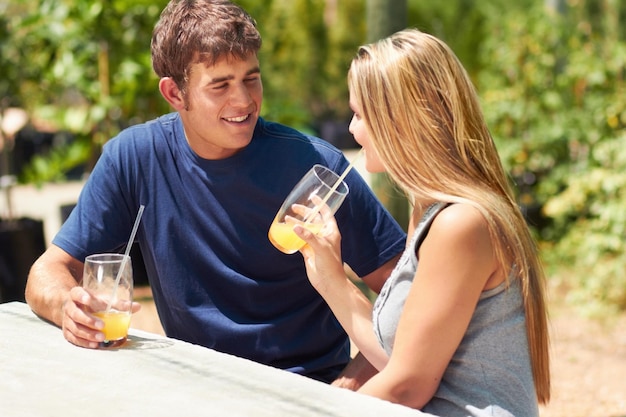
(425,122)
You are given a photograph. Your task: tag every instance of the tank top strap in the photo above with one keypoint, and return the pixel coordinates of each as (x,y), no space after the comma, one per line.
(425,222)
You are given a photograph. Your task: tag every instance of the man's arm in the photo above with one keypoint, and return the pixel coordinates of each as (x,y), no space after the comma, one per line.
(53,293)
(355,374)
(375,280)
(50,280)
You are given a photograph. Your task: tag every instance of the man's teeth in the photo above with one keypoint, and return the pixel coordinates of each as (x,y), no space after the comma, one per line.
(237,119)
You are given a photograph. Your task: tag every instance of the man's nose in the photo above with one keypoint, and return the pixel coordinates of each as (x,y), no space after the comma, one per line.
(240,95)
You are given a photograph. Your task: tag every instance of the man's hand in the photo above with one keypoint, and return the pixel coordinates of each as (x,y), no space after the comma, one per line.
(79,326)
(355,374)
(53,292)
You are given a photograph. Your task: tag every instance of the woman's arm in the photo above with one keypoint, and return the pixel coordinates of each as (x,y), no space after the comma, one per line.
(456,263)
(359,370)
(353,310)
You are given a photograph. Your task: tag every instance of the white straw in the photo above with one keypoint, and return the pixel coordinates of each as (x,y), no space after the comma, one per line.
(126,256)
(318,207)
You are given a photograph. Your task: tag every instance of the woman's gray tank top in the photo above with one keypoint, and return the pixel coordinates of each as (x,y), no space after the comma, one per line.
(490,373)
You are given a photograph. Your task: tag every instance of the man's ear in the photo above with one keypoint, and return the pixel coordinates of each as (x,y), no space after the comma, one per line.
(170,92)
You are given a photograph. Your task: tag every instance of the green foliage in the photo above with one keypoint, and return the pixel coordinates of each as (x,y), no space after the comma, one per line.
(552,86)
(53,166)
(307,47)
(443,20)
(554,94)
(81,67)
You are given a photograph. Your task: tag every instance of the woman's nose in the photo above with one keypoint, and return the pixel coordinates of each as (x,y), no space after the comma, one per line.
(350,126)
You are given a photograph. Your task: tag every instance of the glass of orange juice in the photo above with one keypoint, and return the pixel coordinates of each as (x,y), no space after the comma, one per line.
(319,186)
(108,277)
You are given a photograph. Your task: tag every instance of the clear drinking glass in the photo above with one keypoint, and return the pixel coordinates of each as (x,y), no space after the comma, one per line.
(114,294)
(319,186)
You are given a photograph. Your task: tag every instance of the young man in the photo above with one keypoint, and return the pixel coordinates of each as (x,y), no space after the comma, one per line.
(211,177)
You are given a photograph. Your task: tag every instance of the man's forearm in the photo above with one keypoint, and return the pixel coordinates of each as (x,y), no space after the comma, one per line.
(48,286)
(356,373)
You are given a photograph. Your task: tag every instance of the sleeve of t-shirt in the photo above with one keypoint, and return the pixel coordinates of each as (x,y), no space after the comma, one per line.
(370,235)
(103,217)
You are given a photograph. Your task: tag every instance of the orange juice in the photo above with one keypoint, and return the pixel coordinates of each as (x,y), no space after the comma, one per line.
(284,238)
(116,325)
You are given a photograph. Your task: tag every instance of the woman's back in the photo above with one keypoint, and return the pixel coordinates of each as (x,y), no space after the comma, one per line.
(490,372)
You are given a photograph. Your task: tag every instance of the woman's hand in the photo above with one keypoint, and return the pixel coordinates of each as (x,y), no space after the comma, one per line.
(322,252)
(324,267)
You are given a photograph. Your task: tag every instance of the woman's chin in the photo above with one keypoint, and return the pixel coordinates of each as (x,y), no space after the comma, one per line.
(374,167)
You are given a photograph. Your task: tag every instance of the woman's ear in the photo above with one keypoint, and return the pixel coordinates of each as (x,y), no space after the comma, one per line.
(170,92)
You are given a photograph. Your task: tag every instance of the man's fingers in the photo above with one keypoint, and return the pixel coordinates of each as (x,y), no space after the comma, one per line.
(80,327)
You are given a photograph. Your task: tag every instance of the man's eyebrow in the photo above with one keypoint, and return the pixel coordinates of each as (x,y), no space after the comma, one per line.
(255,70)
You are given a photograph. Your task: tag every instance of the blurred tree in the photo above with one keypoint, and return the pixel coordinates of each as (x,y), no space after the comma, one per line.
(307,47)
(384,17)
(82,67)
(89,69)
(554,94)
(552,86)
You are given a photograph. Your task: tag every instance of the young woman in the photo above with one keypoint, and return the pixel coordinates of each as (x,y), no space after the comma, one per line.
(460,327)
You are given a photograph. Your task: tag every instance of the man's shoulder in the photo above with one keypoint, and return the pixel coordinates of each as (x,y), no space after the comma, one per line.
(281,132)
(162,124)
(146,133)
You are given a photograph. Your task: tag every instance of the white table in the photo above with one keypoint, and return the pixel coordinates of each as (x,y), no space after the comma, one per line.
(41,374)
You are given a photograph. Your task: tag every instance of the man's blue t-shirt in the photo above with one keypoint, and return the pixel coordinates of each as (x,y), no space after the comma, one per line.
(217,280)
